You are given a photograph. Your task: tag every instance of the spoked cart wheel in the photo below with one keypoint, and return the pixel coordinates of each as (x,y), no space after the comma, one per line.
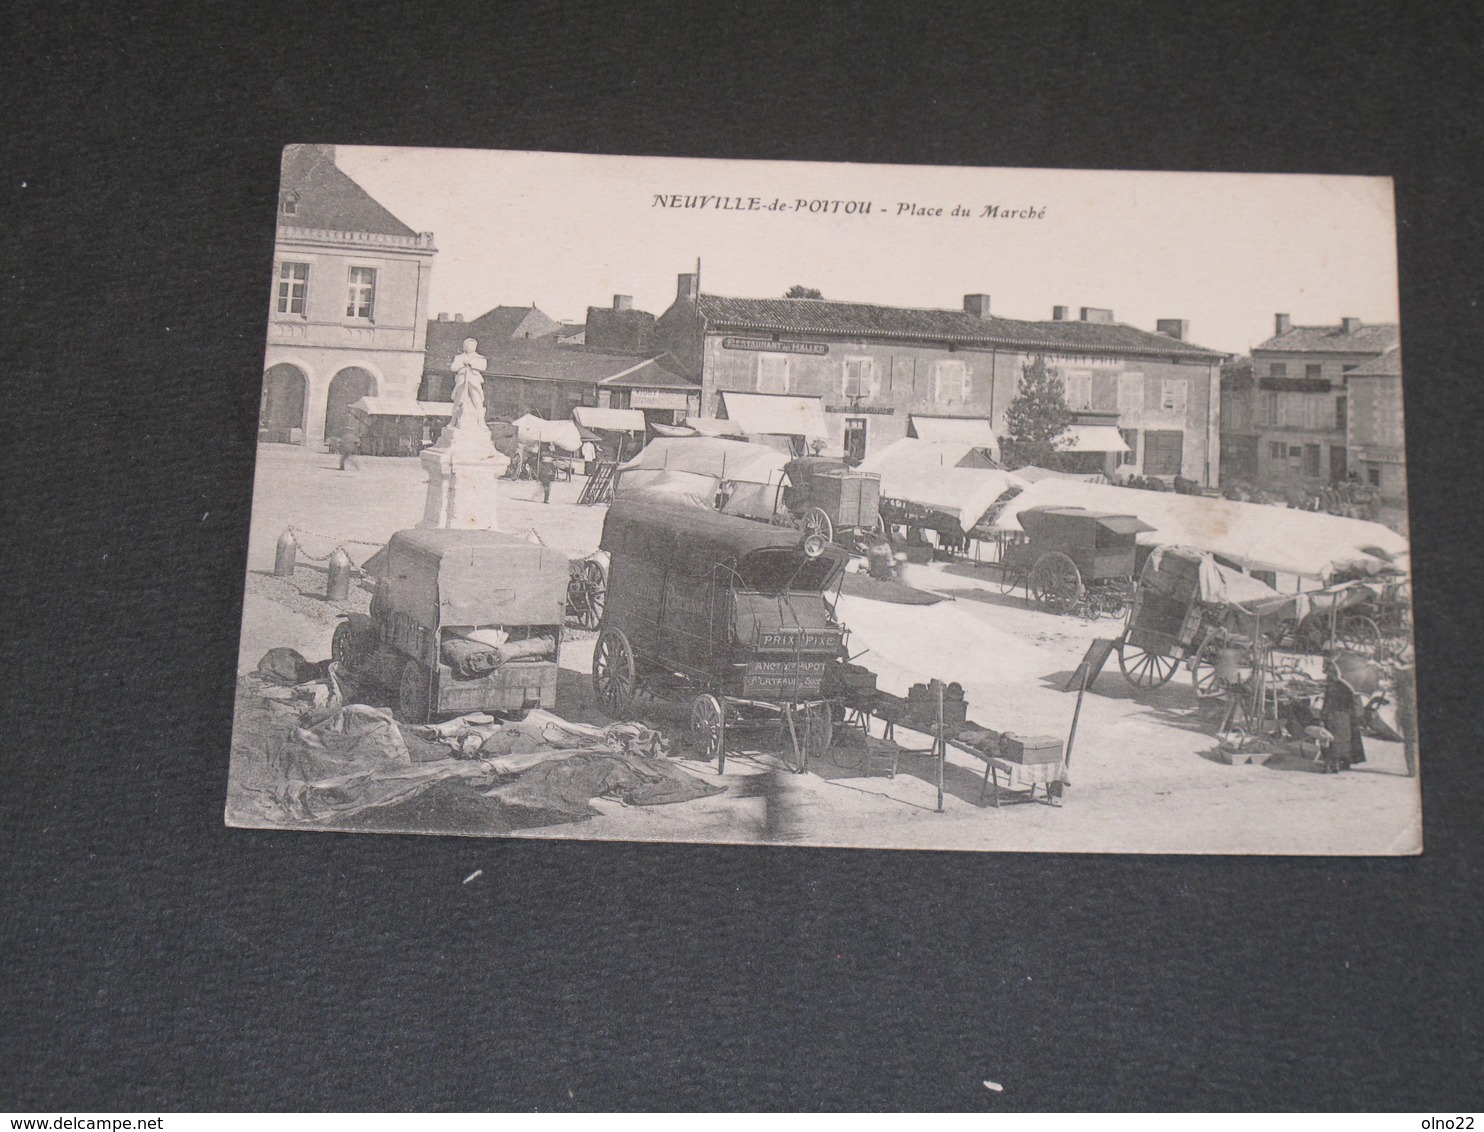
(345,650)
(817,522)
(707,732)
(1358,634)
(615,678)
(1209,684)
(587,590)
(413,694)
(1144,669)
(1055,582)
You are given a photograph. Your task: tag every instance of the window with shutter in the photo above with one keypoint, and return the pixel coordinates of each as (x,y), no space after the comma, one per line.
(1173,400)
(1130,392)
(948,381)
(772,373)
(1078,384)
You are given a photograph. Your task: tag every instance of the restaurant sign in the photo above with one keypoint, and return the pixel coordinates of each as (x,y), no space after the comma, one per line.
(769,346)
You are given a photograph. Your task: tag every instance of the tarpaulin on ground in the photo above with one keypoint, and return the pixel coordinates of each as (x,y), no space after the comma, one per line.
(295,764)
(1308,544)
(930,474)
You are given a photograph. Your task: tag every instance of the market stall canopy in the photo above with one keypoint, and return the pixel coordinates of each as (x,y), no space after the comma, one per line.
(759,414)
(1308,544)
(710,456)
(929,474)
(610,420)
(674,430)
(1093,438)
(536,430)
(401,407)
(974,431)
(1032,474)
(711,426)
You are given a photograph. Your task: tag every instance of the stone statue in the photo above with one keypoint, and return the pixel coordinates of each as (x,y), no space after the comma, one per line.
(468,388)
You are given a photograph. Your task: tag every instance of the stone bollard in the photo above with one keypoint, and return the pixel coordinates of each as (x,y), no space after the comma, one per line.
(284,555)
(338,587)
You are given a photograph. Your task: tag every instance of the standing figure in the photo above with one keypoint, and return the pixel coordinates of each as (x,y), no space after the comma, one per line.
(1349,680)
(468,388)
(545,472)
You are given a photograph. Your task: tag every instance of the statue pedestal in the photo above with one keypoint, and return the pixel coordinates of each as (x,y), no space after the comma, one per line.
(463,470)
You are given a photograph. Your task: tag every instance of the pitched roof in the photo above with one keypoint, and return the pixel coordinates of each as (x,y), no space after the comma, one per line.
(1333,339)
(1388,364)
(538,361)
(867,320)
(491,330)
(324,197)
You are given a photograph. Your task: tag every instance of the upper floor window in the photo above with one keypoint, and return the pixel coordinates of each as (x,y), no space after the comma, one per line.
(1314,370)
(1078,385)
(362,302)
(1342,413)
(772,373)
(860,377)
(1173,400)
(950,381)
(1130,392)
(288,204)
(293,287)
(1277,369)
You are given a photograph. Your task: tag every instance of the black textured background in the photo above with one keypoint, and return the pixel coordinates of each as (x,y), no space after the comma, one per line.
(155,960)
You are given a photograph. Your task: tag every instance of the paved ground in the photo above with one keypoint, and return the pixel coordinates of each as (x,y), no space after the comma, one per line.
(1145,767)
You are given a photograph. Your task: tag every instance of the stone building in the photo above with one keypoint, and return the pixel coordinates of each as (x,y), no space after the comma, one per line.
(348,307)
(536,364)
(1290,422)
(1374,437)
(858,376)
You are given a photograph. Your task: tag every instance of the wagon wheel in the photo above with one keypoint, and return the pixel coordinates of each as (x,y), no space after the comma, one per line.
(345,650)
(707,733)
(413,694)
(587,590)
(615,679)
(1359,634)
(1208,684)
(819,728)
(1056,582)
(1145,669)
(817,522)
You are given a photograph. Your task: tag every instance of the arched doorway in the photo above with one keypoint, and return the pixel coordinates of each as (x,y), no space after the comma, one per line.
(347,387)
(281,413)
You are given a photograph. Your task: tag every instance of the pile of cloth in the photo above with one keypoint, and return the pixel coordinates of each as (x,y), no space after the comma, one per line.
(303,755)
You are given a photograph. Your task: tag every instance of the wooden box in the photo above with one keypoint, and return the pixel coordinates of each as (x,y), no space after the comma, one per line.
(1031,749)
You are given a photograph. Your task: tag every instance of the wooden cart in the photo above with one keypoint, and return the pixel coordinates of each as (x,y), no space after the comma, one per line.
(1074,560)
(830,498)
(729,613)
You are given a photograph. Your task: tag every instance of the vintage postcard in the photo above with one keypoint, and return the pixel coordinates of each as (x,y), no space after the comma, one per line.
(882,506)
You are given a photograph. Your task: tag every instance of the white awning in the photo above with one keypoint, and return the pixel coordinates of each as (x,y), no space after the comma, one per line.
(965,430)
(531,429)
(764,414)
(402,407)
(610,420)
(1094,438)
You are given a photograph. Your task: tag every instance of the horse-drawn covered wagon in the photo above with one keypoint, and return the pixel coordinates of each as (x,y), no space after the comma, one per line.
(1074,560)
(731,614)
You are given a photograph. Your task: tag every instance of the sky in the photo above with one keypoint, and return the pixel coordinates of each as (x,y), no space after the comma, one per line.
(1225,251)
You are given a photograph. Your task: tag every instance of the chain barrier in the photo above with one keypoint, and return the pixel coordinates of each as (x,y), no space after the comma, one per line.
(340,544)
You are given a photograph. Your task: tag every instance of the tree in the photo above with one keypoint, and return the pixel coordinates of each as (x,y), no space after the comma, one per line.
(799,291)
(1037,417)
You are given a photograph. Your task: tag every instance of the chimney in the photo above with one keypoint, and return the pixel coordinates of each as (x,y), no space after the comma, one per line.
(977,305)
(687,287)
(1177,328)
(458,318)
(623,302)
(442,316)
(1282,324)
(1096,314)
(1061,314)
(1351,325)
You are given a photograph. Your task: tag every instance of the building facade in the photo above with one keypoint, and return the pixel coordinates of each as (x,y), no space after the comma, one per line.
(1374,435)
(1291,416)
(876,374)
(348,308)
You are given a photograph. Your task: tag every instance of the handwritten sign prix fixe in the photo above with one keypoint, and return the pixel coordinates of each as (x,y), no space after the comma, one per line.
(769,346)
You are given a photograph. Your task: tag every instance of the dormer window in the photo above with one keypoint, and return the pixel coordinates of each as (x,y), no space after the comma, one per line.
(288,204)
